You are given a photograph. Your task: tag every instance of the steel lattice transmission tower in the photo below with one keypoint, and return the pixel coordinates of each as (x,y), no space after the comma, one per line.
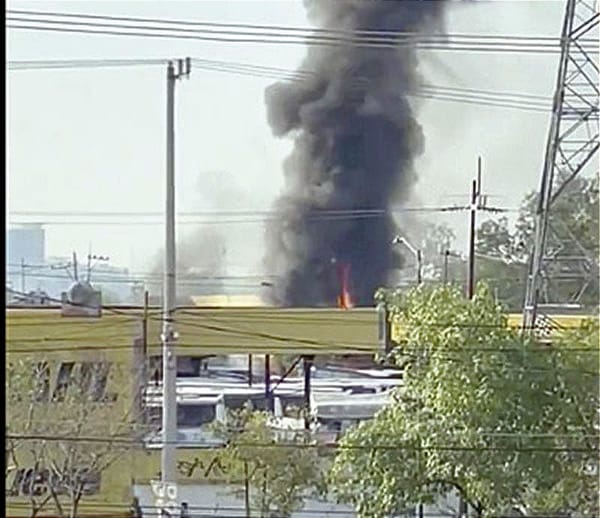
(557,256)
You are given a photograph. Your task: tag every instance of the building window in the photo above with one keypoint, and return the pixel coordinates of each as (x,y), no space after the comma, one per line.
(62,380)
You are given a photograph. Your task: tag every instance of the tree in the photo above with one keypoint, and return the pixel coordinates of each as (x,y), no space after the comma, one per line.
(54,457)
(575,230)
(438,239)
(508,424)
(280,468)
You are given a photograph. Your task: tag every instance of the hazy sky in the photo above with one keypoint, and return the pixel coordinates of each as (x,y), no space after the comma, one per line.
(94,139)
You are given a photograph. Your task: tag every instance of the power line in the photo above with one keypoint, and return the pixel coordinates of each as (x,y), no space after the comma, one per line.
(468,96)
(242,217)
(337,446)
(280,28)
(267,71)
(490,97)
(210,509)
(81,63)
(240,36)
(147,273)
(227,281)
(275,213)
(253,30)
(518,101)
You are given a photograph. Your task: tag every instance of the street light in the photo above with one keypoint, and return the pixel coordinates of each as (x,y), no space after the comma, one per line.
(416,252)
(90,266)
(449,253)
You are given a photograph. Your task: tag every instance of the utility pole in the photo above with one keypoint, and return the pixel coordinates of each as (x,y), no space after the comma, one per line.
(475,192)
(446,255)
(23,275)
(75,274)
(145,356)
(90,267)
(268,393)
(308,363)
(471,274)
(168,336)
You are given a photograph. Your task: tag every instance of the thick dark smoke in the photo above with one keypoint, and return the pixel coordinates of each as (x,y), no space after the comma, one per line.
(355,140)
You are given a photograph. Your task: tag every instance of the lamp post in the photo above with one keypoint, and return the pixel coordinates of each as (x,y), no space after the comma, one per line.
(416,252)
(447,254)
(90,266)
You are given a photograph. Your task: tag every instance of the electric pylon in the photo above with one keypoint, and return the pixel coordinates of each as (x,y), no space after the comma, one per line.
(558,259)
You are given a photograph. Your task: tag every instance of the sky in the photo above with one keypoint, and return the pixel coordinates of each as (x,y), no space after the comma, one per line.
(93,140)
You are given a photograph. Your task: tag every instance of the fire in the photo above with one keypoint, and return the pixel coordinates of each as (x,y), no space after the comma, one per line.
(344,299)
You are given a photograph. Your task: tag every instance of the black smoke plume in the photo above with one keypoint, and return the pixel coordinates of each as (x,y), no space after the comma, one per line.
(355,140)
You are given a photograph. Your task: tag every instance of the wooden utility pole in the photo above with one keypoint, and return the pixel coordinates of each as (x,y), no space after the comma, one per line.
(475,192)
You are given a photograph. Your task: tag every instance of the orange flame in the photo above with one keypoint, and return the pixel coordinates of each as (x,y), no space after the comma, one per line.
(344,299)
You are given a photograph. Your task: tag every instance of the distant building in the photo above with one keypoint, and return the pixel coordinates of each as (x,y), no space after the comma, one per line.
(228,301)
(25,246)
(27,243)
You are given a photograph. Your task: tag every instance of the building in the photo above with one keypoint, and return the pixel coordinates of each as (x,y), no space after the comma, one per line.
(25,247)
(108,352)
(27,243)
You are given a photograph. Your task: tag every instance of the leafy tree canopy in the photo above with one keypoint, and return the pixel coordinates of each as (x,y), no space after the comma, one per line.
(280,467)
(574,232)
(509,424)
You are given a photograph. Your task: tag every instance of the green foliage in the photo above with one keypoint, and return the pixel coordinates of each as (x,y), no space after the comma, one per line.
(505,422)
(575,227)
(280,468)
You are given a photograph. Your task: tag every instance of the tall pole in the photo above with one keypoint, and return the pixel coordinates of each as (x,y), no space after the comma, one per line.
(446,254)
(169,414)
(145,356)
(22,275)
(268,395)
(168,336)
(475,191)
(471,276)
(75,273)
(308,362)
(416,252)
(246,489)
(89,263)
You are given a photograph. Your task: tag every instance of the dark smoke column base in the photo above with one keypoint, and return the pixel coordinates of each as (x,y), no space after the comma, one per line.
(355,141)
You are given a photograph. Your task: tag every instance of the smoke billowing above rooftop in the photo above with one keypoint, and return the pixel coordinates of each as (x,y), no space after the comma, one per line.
(355,140)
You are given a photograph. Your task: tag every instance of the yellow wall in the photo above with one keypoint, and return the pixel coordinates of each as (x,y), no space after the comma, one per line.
(555,324)
(137,466)
(202,331)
